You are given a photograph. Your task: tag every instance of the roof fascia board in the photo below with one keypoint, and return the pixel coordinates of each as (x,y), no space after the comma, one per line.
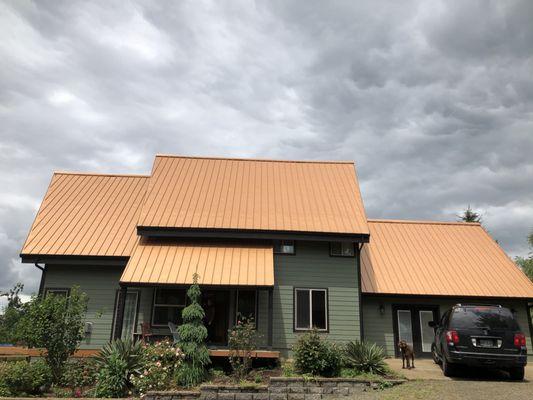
(250,234)
(74,260)
(441,296)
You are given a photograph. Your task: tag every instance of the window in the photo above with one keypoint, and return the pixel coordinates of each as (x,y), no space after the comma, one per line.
(342,249)
(284,246)
(130,314)
(311,309)
(246,303)
(168,304)
(57,291)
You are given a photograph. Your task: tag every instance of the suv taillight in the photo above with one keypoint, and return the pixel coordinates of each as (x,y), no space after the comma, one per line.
(519,340)
(452,337)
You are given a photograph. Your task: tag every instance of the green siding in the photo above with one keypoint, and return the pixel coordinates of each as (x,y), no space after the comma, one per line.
(379,328)
(101,285)
(312,266)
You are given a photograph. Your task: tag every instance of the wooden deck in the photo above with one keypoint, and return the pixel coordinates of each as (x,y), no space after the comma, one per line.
(14,352)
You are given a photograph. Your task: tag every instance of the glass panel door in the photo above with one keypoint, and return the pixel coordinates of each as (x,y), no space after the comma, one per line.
(426,332)
(130,314)
(405,327)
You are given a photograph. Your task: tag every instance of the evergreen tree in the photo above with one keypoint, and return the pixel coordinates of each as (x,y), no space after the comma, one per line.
(470,215)
(193,335)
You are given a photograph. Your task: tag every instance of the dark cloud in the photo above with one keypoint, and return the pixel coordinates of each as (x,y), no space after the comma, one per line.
(432,100)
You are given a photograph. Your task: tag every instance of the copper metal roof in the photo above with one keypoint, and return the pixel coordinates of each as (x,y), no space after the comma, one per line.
(438,258)
(159,261)
(87,215)
(187,192)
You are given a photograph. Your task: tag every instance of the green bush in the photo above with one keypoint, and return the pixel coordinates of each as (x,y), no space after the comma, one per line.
(56,324)
(365,357)
(192,335)
(313,355)
(117,361)
(24,378)
(79,374)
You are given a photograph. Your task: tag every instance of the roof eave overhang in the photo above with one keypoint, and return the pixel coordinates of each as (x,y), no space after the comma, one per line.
(444,296)
(74,259)
(152,231)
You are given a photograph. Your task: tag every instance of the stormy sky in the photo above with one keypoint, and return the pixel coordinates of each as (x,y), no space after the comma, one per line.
(433,100)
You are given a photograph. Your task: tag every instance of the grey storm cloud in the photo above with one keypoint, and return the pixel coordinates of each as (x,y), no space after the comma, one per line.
(433,100)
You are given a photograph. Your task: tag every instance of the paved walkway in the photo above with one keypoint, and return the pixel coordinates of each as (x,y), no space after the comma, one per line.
(426,369)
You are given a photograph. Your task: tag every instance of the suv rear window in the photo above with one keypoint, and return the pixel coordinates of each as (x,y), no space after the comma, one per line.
(483,317)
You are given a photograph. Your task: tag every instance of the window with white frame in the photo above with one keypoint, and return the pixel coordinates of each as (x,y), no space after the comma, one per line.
(283,246)
(342,249)
(168,304)
(311,309)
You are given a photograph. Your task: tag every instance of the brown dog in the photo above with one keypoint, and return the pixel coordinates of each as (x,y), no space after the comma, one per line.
(407,354)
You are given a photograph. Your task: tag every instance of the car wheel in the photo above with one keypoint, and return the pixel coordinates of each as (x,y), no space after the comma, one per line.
(434,354)
(447,368)
(517,374)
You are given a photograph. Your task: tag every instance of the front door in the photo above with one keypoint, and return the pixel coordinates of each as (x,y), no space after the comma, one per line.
(216,306)
(411,324)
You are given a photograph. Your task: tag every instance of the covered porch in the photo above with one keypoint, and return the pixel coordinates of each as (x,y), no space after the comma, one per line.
(236,279)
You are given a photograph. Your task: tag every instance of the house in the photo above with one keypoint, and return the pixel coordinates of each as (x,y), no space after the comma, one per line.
(285,242)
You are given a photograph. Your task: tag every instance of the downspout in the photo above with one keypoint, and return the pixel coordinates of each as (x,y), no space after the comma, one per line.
(43,274)
(359,290)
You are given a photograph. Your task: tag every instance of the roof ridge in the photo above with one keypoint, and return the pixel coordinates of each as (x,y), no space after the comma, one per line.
(407,221)
(100,174)
(257,159)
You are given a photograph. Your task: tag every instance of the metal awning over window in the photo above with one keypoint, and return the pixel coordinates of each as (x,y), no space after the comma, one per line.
(171,262)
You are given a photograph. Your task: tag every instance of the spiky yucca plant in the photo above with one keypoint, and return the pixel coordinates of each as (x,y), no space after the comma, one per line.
(365,357)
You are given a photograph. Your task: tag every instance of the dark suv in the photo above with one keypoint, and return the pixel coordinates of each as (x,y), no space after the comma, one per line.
(479,335)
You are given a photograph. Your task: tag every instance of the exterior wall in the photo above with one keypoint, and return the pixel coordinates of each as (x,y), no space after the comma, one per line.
(379,328)
(313,267)
(101,285)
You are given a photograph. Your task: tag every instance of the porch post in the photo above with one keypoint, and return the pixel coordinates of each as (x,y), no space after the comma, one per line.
(270,315)
(120,311)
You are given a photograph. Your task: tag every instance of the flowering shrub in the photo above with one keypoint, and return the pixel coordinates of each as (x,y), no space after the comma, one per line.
(316,356)
(242,341)
(161,361)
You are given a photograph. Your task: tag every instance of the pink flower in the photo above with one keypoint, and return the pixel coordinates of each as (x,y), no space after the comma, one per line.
(145,372)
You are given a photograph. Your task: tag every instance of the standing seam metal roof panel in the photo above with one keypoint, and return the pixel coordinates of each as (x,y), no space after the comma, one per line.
(438,258)
(212,193)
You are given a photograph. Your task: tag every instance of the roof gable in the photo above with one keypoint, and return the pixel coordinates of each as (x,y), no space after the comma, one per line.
(87,215)
(438,258)
(240,194)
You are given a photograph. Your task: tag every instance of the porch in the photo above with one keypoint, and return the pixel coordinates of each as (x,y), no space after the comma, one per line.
(236,279)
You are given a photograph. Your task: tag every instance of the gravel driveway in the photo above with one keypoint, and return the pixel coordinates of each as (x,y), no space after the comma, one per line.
(454,390)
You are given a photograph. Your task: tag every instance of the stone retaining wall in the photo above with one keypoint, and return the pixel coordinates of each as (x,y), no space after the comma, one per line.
(279,389)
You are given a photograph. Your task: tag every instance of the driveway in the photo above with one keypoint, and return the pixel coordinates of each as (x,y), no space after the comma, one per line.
(427,382)
(426,369)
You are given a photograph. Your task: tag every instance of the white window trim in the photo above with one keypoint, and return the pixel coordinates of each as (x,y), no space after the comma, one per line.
(115,317)
(154,305)
(57,290)
(310,290)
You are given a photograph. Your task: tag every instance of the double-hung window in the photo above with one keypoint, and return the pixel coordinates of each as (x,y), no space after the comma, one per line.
(168,304)
(311,309)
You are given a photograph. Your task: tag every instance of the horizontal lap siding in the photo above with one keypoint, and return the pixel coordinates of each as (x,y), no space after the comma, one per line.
(100,284)
(312,266)
(378,328)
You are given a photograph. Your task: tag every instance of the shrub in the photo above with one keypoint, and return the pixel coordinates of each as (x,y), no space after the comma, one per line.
(117,361)
(161,361)
(365,357)
(78,375)
(242,341)
(23,377)
(192,335)
(56,324)
(12,314)
(313,355)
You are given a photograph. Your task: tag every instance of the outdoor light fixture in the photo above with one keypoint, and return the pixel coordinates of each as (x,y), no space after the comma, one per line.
(382,309)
